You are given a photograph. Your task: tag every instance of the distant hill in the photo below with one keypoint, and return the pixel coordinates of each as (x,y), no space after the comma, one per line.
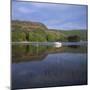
(35,31)
(81,33)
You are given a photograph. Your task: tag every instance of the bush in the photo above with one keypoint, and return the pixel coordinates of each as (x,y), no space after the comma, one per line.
(36,37)
(55,36)
(51,37)
(73,38)
(18,36)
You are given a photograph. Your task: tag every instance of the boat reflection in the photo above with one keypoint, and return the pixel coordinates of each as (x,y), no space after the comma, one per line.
(23,53)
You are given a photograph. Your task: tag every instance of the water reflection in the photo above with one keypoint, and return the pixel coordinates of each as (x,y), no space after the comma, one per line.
(74,46)
(43,66)
(22,53)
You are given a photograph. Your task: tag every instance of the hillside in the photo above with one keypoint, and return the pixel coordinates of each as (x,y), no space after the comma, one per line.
(25,25)
(81,33)
(35,31)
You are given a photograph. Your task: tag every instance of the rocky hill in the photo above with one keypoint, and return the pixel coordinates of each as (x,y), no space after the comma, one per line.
(27,26)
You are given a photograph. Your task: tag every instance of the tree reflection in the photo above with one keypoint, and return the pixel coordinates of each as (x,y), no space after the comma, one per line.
(22,53)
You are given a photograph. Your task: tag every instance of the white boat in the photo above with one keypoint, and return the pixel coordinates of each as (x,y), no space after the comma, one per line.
(57,44)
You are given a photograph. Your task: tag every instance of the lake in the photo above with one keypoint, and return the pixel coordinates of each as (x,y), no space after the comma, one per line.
(46,66)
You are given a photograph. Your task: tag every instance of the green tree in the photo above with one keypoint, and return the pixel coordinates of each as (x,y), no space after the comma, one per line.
(18,36)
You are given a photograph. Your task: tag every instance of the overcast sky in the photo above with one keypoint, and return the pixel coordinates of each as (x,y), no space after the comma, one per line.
(54,16)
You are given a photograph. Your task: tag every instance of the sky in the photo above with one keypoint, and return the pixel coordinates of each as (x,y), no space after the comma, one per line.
(54,16)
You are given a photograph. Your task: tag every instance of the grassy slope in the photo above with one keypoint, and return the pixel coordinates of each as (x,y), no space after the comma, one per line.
(81,33)
(34,31)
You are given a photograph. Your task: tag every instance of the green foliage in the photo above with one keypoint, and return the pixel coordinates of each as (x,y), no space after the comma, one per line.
(51,36)
(81,33)
(31,31)
(62,38)
(73,38)
(55,36)
(18,36)
(36,37)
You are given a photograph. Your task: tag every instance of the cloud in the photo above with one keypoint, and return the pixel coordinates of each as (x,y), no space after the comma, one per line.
(53,15)
(25,10)
(53,22)
(68,26)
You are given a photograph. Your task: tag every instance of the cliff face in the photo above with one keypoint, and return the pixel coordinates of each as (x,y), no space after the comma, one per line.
(27,26)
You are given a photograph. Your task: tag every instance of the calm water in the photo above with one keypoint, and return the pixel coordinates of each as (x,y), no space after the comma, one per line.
(44,66)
